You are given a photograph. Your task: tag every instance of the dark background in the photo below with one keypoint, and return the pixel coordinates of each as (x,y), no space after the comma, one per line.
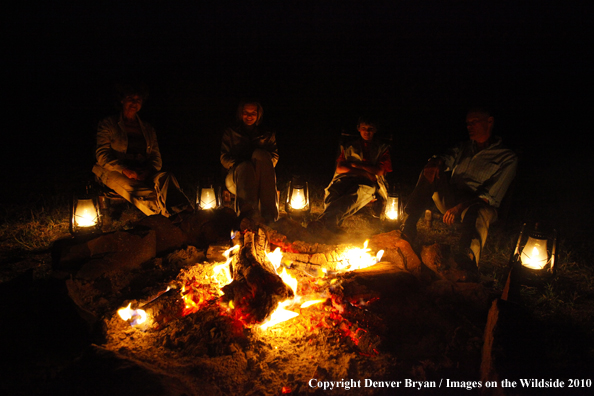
(315,66)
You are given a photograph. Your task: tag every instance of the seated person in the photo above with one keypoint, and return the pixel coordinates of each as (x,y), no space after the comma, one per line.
(467,184)
(360,173)
(129,161)
(249,154)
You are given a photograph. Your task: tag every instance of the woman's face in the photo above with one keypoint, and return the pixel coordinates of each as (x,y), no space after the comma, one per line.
(132,104)
(249,115)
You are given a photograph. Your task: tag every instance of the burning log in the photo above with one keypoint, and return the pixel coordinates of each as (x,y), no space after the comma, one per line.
(256,289)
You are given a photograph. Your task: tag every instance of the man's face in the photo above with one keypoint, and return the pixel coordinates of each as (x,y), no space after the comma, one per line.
(479,126)
(132,103)
(367,131)
(249,115)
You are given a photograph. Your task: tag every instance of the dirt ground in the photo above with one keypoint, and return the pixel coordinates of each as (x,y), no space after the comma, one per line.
(400,333)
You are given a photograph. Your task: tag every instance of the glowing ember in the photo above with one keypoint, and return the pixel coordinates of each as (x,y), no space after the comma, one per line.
(136,316)
(357,258)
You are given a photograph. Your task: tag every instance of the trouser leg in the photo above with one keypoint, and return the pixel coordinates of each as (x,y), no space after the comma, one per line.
(475,227)
(345,197)
(170,197)
(266,182)
(241,181)
(139,193)
(420,199)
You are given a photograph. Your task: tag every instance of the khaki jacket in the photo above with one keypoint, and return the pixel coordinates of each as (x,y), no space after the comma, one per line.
(112,144)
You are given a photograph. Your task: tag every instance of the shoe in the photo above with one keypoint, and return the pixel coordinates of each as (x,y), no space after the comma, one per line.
(466,262)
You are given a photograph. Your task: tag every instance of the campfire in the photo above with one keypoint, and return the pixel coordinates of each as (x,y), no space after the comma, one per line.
(256,287)
(275,311)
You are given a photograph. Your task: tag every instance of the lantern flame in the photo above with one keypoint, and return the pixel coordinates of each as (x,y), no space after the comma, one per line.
(392,208)
(298,200)
(85,214)
(392,214)
(534,255)
(208,199)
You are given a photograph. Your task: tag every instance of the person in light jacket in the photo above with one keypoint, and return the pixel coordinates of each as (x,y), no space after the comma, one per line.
(129,161)
(467,184)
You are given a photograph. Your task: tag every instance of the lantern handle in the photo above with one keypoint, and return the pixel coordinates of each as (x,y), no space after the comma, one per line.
(553,251)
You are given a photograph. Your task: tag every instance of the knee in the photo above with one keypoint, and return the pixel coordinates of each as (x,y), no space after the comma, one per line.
(242,169)
(261,155)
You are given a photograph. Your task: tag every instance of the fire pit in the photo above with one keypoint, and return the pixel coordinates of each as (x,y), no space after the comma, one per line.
(273,313)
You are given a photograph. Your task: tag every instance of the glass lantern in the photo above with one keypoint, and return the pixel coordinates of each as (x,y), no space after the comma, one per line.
(208,197)
(86,213)
(297,202)
(393,209)
(535,252)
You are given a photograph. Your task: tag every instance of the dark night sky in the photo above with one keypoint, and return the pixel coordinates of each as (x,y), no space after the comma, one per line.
(314,65)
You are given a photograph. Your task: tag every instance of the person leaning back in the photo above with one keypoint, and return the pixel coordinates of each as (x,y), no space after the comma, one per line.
(467,185)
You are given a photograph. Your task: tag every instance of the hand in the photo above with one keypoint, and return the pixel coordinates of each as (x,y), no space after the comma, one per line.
(433,169)
(452,214)
(130,174)
(142,175)
(360,169)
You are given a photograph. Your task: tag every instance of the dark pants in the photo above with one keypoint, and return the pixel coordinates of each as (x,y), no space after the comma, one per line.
(254,184)
(475,219)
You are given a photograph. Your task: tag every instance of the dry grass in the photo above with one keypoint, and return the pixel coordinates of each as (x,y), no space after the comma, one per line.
(27,231)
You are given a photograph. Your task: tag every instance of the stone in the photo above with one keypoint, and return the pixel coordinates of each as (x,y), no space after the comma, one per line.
(120,251)
(208,226)
(168,236)
(396,250)
(387,279)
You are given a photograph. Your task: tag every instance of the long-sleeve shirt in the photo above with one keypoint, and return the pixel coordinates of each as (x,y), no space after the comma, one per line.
(112,146)
(486,173)
(238,145)
(373,153)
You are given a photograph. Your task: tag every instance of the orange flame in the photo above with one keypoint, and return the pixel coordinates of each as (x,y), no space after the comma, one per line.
(279,315)
(136,316)
(221,273)
(311,302)
(358,258)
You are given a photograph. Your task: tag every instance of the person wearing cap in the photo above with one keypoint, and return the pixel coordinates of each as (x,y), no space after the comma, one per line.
(467,184)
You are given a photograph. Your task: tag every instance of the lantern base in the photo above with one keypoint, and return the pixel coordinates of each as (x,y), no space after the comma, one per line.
(533,277)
